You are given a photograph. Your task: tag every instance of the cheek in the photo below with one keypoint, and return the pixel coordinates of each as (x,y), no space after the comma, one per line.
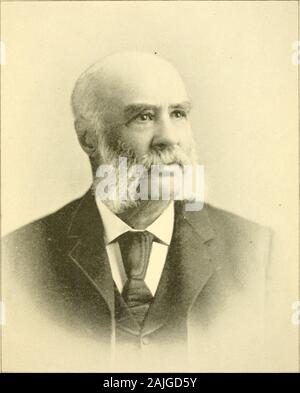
(140,142)
(186,137)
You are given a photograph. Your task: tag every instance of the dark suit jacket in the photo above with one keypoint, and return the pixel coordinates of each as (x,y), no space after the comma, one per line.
(216,259)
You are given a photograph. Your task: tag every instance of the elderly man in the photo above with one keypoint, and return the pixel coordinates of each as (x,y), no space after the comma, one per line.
(144,278)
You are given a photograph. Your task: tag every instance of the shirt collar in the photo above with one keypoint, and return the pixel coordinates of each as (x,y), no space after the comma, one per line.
(162,227)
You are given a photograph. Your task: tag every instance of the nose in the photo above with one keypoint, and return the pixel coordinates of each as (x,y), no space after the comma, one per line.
(165,134)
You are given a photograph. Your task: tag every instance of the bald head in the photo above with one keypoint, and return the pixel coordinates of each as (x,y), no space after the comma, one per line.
(122,79)
(137,100)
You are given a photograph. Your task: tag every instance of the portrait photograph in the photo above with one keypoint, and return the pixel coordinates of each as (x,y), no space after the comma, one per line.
(149,186)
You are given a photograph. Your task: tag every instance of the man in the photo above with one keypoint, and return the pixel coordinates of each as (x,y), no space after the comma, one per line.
(148,280)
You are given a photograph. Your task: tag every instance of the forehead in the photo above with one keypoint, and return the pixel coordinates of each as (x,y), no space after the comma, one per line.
(161,86)
(155,89)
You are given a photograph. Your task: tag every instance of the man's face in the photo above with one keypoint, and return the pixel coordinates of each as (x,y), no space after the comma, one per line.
(147,109)
(145,105)
(145,117)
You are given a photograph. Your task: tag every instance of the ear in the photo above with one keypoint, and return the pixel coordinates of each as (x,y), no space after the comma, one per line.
(87,138)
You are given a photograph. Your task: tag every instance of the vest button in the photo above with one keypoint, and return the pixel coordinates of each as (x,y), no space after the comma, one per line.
(145,340)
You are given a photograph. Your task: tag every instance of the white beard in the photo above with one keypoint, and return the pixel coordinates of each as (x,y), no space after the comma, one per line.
(110,157)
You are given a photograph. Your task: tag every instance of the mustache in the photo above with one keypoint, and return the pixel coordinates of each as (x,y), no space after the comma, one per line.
(167,156)
(158,155)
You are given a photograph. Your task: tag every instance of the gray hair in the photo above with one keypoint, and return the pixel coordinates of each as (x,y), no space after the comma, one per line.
(86,102)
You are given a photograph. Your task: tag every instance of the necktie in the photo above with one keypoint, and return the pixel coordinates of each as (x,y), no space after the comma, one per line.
(135,249)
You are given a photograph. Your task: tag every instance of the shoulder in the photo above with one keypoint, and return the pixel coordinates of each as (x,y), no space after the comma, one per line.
(234,237)
(240,235)
(55,224)
(223,223)
(246,246)
(42,240)
(230,224)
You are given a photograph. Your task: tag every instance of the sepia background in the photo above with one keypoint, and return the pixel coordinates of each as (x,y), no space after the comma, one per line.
(237,61)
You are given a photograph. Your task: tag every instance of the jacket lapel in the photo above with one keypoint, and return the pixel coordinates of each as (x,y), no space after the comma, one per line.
(188,267)
(88,250)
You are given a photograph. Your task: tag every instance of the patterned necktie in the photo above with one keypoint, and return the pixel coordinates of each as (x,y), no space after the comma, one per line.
(135,249)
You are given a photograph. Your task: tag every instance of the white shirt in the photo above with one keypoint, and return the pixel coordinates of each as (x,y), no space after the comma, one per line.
(162,228)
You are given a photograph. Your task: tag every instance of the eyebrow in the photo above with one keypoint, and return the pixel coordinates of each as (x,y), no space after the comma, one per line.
(135,108)
(186,105)
(140,107)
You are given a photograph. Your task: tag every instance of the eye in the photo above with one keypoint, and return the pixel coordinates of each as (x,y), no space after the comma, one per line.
(144,117)
(178,114)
